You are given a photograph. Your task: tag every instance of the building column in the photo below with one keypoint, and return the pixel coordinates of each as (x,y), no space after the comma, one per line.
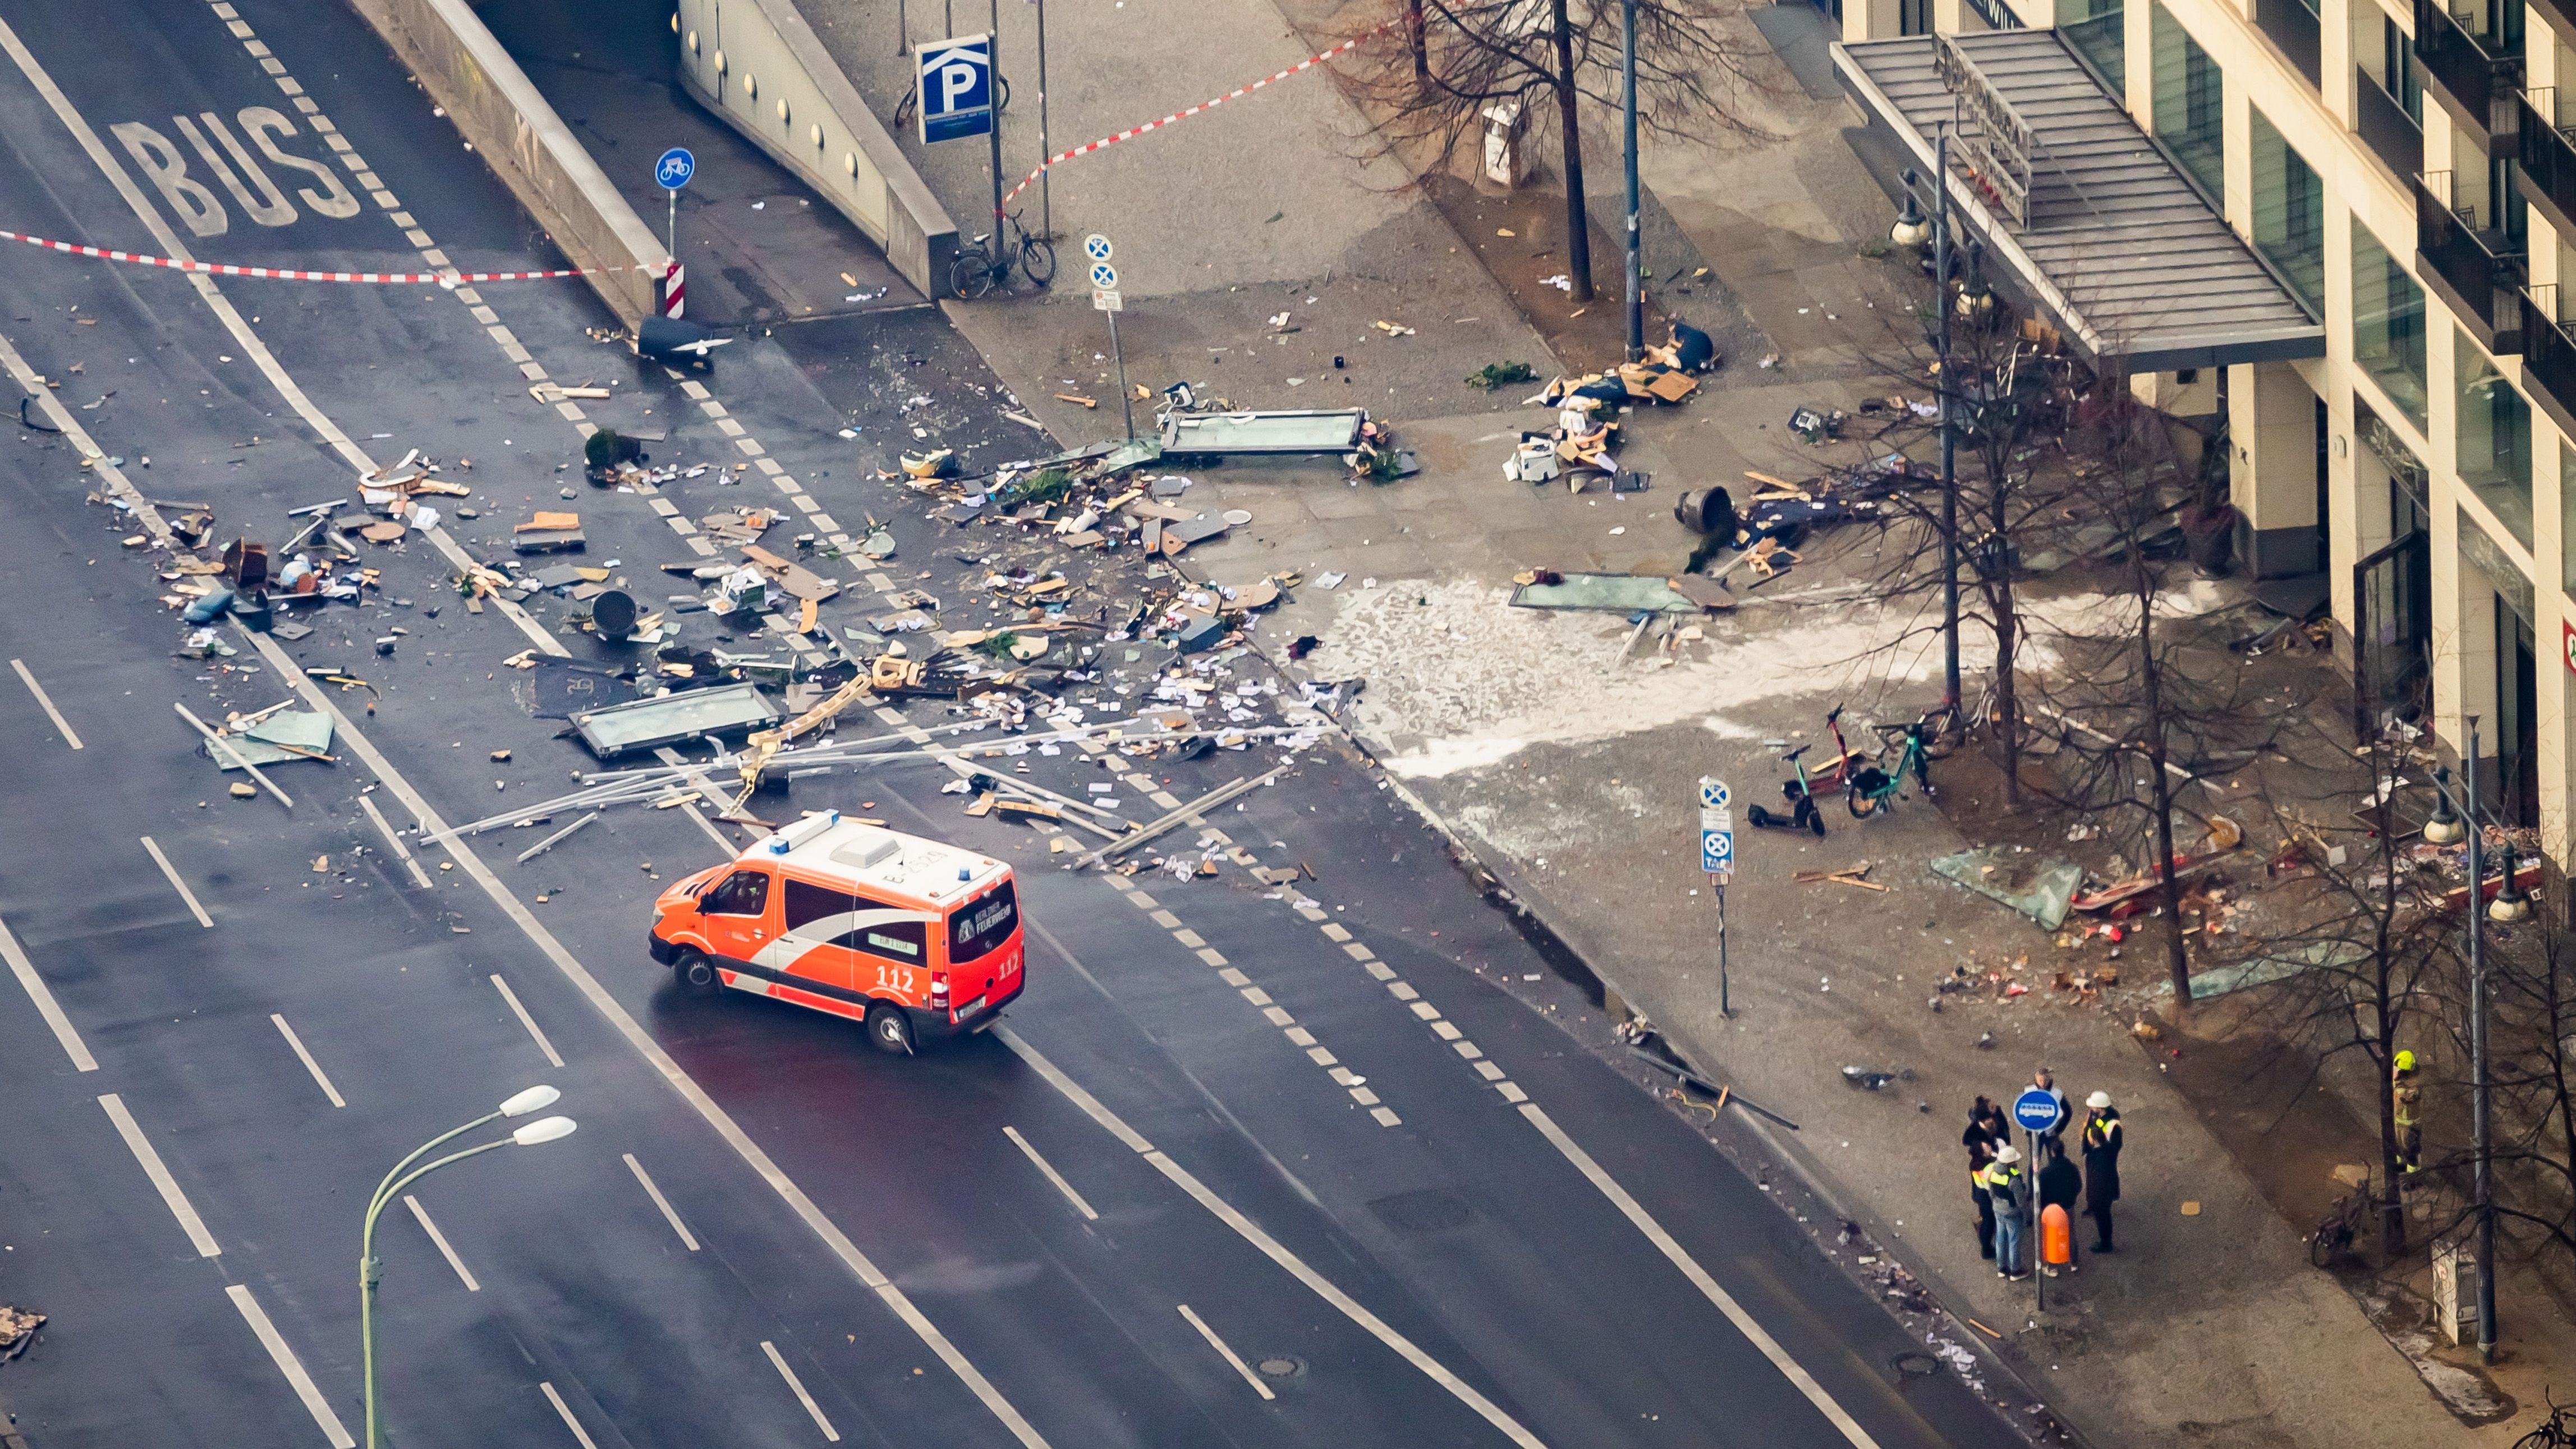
(2272,422)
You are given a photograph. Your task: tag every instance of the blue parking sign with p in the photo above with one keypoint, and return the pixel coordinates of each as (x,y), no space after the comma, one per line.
(956,81)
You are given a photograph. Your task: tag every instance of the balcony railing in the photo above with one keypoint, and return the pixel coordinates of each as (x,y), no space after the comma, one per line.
(2549,356)
(2293,27)
(2548,171)
(2477,270)
(2473,74)
(2391,134)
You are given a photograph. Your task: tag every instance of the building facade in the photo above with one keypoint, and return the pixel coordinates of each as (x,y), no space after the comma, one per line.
(2400,172)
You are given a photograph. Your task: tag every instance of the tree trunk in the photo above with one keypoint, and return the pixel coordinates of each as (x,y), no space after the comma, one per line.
(1414,33)
(2392,1209)
(1578,225)
(2159,785)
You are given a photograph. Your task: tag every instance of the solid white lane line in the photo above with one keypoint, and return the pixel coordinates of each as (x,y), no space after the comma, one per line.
(687,1239)
(1053,1176)
(51,713)
(168,1186)
(179,885)
(306,1057)
(440,1239)
(1270,1247)
(565,1410)
(401,851)
(802,1397)
(1228,1354)
(216,302)
(291,1366)
(636,1037)
(46,1007)
(1699,1277)
(526,1020)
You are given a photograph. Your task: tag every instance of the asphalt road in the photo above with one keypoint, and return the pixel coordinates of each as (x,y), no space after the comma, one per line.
(1398,1203)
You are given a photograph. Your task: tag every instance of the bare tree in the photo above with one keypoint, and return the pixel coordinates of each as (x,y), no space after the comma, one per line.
(1693,69)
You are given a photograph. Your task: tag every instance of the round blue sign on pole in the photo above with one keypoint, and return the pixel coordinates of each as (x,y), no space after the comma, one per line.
(674,169)
(2037,1110)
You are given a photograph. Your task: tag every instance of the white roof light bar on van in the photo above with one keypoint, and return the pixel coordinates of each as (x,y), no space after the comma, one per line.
(792,835)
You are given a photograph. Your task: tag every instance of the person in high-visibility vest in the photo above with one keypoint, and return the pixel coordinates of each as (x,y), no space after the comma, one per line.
(2408,1098)
(2010,1190)
(2101,1166)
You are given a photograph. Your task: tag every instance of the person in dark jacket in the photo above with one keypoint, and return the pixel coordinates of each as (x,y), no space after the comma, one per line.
(2059,1186)
(1979,1140)
(2101,1166)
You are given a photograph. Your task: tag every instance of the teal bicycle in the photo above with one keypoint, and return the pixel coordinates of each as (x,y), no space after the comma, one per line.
(1869,788)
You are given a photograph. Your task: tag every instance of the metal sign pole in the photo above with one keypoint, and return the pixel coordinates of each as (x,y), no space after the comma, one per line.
(1722,1007)
(2030,1207)
(1046,200)
(993,97)
(671,226)
(1126,403)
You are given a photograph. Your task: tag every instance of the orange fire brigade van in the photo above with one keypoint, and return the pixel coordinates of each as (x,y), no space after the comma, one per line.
(915,938)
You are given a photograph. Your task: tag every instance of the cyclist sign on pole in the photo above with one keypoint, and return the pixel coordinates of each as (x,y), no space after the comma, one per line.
(956,81)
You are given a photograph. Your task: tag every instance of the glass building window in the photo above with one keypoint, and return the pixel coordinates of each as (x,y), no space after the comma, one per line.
(2099,31)
(2396,73)
(2495,439)
(2289,214)
(2388,325)
(2190,113)
(2567,515)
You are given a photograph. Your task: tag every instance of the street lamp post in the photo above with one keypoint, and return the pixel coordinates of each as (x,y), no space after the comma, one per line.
(1911,230)
(1636,262)
(371,1272)
(2481,1149)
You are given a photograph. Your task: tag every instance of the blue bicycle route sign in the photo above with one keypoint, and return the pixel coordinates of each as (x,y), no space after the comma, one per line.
(674,168)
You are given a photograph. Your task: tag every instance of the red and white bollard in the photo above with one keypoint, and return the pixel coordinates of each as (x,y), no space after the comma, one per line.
(674,290)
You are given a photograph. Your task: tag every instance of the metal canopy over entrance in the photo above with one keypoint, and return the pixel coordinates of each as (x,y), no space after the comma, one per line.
(2088,214)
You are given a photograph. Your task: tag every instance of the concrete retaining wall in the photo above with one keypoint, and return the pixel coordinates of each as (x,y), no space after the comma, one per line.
(759,65)
(496,107)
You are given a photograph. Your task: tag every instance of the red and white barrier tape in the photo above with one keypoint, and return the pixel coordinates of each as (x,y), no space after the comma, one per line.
(288,274)
(1309,63)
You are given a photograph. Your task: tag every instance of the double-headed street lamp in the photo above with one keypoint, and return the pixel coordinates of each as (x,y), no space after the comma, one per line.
(2450,823)
(544,1129)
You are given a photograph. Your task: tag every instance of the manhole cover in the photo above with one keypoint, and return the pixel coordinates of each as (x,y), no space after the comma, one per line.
(1278,1367)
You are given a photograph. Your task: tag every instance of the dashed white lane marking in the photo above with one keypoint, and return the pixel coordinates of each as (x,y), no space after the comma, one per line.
(1052,1175)
(1227,1353)
(319,1078)
(1251,1232)
(162,1181)
(291,1366)
(27,678)
(652,1190)
(1744,1322)
(565,1410)
(779,1362)
(176,884)
(216,302)
(402,852)
(46,1007)
(641,1041)
(527,1021)
(435,1236)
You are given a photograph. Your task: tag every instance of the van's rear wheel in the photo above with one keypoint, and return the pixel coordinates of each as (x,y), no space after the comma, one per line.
(890,1029)
(695,973)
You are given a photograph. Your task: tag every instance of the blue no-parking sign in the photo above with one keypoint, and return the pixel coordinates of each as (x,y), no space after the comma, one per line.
(956,81)
(673,170)
(1716,828)
(2037,1110)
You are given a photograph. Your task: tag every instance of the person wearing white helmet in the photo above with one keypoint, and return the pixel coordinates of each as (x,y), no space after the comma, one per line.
(2009,1187)
(2101,1141)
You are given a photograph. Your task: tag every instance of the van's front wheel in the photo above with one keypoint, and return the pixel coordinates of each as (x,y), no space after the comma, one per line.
(890,1029)
(695,973)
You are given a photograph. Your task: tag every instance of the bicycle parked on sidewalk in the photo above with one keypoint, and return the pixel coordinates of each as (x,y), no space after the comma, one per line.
(2330,1246)
(985,263)
(2558,1433)
(1868,788)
